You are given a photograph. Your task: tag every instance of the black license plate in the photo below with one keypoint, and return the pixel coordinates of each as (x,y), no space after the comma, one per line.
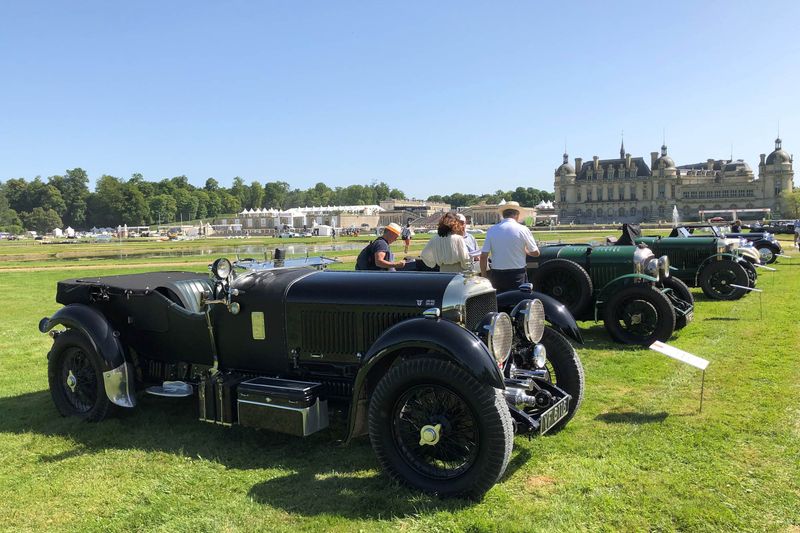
(551,417)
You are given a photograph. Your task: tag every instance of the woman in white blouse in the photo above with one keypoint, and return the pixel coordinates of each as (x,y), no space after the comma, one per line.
(447,248)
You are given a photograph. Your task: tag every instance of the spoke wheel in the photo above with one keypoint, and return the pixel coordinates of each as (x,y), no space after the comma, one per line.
(436,431)
(717,277)
(434,427)
(566,281)
(681,291)
(75,376)
(639,314)
(767,254)
(79,379)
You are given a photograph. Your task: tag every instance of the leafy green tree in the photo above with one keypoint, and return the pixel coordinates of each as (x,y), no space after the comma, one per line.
(790,203)
(230,203)
(275,194)
(187,204)
(9,220)
(41,220)
(214,205)
(74,190)
(162,208)
(240,191)
(202,202)
(211,185)
(255,197)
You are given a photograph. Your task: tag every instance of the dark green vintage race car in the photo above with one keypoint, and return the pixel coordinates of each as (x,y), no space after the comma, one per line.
(627,286)
(713,264)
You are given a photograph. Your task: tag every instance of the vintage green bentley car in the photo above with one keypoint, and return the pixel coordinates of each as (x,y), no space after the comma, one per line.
(710,263)
(627,286)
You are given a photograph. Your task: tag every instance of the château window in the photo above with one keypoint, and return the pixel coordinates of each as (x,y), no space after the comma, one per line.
(589,195)
(661,190)
(563,196)
(580,194)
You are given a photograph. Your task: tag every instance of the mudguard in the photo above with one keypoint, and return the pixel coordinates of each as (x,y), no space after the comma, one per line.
(418,335)
(613,285)
(554,311)
(117,374)
(727,255)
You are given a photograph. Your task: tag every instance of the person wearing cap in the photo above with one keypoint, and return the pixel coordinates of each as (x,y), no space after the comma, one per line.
(469,240)
(508,243)
(377,255)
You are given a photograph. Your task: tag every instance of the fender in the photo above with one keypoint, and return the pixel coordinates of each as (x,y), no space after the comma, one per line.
(616,282)
(554,311)
(723,256)
(117,373)
(447,338)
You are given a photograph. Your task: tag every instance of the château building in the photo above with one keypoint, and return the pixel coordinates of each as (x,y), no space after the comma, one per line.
(629,190)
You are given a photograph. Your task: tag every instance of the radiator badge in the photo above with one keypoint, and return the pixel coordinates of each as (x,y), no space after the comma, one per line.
(419,303)
(259,331)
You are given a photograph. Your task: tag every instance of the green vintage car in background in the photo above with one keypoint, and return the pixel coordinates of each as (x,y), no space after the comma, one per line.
(628,287)
(721,267)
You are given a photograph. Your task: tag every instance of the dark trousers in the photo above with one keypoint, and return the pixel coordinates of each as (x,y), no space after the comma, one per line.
(508,280)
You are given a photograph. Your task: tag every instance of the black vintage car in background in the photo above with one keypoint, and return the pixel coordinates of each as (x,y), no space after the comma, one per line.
(424,363)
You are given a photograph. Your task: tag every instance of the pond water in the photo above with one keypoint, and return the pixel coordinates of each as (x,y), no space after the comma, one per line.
(242,251)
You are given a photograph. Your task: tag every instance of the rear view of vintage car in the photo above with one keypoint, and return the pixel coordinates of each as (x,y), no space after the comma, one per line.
(714,264)
(421,362)
(628,286)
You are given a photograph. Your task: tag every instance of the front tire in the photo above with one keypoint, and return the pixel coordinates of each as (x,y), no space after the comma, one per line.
(768,253)
(718,276)
(639,314)
(565,369)
(436,428)
(75,376)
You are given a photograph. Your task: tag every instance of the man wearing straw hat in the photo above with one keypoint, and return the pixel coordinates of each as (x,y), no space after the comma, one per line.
(508,243)
(377,255)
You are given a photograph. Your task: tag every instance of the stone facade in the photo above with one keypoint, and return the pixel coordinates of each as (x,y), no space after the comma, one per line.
(487,215)
(628,190)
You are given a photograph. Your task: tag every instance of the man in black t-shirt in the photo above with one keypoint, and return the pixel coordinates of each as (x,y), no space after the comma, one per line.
(377,255)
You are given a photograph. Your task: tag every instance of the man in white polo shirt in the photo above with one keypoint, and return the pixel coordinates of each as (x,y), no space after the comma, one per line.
(508,242)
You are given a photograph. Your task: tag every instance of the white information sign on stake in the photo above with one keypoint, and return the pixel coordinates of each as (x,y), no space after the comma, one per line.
(680,355)
(684,357)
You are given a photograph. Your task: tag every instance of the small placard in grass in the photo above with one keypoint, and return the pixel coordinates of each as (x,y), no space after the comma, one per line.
(680,355)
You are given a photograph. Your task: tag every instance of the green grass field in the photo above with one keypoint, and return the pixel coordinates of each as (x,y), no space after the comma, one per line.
(637,456)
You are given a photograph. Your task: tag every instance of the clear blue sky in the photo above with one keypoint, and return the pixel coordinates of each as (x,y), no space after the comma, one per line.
(431,97)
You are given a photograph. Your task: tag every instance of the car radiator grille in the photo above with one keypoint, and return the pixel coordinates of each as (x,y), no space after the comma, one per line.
(477,307)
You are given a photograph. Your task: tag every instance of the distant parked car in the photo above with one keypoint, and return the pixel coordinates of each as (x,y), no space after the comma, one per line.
(767,246)
(710,263)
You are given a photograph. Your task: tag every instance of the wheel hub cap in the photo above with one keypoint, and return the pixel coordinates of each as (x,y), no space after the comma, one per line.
(72,381)
(636,319)
(429,435)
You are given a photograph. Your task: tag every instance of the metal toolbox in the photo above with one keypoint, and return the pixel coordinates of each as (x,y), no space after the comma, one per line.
(286,406)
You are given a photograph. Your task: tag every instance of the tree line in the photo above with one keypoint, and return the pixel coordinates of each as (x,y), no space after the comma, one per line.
(65,200)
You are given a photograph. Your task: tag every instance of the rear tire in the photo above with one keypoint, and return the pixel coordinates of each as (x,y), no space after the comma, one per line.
(566,281)
(75,376)
(472,444)
(639,314)
(717,277)
(683,292)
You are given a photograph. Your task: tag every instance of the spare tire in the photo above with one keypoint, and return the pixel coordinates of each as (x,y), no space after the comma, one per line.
(566,281)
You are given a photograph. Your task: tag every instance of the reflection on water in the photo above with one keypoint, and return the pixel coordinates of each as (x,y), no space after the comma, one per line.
(242,252)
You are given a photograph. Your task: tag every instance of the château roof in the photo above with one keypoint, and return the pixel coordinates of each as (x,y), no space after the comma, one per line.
(641,167)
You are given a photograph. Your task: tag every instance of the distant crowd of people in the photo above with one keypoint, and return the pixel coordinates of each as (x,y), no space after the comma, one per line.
(502,257)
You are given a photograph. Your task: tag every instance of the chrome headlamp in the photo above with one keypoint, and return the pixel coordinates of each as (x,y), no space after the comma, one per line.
(651,267)
(221,268)
(663,266)
(499,336)
(529,319)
